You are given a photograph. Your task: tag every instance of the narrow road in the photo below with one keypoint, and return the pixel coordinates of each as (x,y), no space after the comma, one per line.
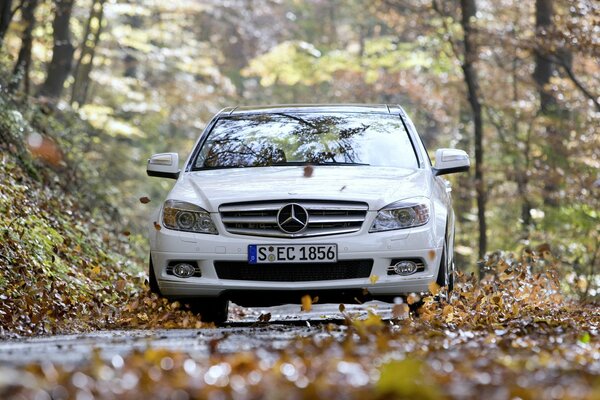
(240,333)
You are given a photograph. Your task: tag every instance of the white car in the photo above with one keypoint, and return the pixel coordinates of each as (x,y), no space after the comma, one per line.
(273,203)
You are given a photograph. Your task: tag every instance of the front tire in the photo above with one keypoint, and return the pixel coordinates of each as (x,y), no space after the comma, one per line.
(152,282)
(446,271)
(210,310)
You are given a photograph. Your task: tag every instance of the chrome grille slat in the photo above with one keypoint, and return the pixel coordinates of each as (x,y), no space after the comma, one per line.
(318,219)
(250,220)
(275,206)
(324,218)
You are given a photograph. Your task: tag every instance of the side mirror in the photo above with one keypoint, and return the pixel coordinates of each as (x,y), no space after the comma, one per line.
(164,165)
(448,161)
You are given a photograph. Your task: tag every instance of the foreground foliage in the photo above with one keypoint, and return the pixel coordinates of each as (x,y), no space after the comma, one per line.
(510,335)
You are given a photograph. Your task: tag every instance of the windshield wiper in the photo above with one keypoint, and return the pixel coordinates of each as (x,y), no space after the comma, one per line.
(216,167)
(278,164)
(340,163)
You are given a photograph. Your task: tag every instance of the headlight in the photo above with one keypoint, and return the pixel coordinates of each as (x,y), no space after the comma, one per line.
(187,217)
(402,214)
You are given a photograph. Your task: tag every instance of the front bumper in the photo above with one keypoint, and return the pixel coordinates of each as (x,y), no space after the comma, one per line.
(382,247)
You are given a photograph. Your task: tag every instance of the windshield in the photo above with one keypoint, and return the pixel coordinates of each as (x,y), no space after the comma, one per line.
(262,140)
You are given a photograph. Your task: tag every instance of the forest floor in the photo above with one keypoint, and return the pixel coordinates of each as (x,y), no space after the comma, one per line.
(513,343)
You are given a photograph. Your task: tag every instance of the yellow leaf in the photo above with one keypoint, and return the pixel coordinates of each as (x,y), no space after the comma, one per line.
(372,319)
(96,270)
(406,379)
(413,298)
(306,303)
(373,279)
(434,288)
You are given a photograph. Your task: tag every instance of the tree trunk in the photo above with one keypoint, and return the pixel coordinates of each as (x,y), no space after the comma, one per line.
(5,17)
(62,53)
(85,62)
(543,65)
(521,171)
(22,66)
(469,9)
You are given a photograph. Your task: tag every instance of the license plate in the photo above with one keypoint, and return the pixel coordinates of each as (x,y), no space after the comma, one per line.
(294,253)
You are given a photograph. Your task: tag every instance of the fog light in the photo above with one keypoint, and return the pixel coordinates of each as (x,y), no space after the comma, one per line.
(405,268)
(183,270)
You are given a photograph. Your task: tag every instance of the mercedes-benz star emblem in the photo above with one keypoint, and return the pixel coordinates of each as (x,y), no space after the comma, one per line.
(292,218)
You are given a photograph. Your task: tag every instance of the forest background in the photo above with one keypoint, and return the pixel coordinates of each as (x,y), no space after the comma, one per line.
(516,84)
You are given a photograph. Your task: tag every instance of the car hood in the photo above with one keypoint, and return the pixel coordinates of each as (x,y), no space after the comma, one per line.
(378,186)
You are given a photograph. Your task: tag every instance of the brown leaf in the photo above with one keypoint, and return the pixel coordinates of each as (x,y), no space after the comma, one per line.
(120,285)
(264,317)
(308,171)
(145,200)
(400,311)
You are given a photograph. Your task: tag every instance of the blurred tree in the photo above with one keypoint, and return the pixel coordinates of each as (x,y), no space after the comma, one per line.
(62,52)
(23,64)
(85,62)
(6,14)
(469,12)
(543,65)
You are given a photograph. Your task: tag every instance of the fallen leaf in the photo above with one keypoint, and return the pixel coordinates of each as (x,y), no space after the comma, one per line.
(306,303)
(400,311)
(145,200)
(434,288)
(308,171)
(413,298)
(264,317)
(120,285)
(373,278)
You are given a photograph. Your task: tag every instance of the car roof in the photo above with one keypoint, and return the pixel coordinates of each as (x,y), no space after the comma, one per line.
(313,108)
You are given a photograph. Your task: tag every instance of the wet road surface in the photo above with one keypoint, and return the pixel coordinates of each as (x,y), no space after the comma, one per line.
(242,332)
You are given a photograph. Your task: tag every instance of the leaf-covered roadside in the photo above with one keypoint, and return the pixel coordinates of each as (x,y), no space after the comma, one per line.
(509,336)
(63,270)
(66,263)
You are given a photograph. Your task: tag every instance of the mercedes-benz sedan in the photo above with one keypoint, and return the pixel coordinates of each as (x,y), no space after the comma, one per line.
(277,202)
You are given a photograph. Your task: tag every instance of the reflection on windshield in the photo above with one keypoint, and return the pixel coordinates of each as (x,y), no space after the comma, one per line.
(261,140)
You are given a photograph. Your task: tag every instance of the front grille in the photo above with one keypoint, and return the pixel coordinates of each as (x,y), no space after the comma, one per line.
(324,218)
(344,269)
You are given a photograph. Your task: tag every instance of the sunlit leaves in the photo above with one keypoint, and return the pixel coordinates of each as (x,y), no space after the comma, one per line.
(301,66)
(406,379)
(306,303)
